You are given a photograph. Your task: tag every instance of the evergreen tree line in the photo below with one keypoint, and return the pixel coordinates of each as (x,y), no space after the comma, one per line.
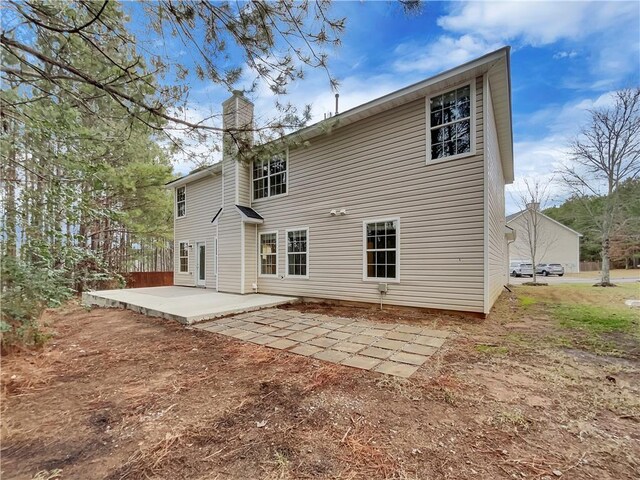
(82,178)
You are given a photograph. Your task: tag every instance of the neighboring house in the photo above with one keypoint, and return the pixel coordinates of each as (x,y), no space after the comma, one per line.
(556,243)
(404,193)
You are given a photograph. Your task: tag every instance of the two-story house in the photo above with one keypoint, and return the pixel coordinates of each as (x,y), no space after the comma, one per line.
(400,199)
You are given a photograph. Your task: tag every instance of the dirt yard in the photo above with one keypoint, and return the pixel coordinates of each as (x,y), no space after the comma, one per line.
(547,387)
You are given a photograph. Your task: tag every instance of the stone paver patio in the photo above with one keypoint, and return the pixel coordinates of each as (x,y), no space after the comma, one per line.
(393,349)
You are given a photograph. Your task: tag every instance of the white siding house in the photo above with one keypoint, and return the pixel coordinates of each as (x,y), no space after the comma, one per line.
(404,193)
(556,243)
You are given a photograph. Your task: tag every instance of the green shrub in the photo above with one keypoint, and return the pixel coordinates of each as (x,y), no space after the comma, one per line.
(26,291)
(48,279)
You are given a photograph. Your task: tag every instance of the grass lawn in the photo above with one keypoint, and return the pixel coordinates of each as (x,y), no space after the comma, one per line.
(548,385)
(617,273)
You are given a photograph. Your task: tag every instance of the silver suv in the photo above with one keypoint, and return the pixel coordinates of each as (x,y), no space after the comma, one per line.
(520,269)
(550,269)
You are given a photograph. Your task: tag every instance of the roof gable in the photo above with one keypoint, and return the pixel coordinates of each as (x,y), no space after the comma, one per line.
(514,216)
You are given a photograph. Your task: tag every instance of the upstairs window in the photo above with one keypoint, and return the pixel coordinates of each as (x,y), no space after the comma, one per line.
(381,249)
(181,201)
(450,125)
(297,253)
(270,177)
(269,253)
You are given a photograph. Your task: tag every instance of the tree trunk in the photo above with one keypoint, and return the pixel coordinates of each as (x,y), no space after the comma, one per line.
(606,275)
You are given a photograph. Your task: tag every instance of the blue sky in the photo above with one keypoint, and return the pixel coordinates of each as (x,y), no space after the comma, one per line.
(567,57)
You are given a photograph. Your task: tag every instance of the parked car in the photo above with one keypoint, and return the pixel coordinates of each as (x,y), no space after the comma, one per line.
(519,269)
(550,269)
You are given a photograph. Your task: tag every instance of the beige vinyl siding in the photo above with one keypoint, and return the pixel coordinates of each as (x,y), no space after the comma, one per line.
(558,244)
(202,202)
(251,257)
(376,168)
(244,184)
(229,245)
(496,254)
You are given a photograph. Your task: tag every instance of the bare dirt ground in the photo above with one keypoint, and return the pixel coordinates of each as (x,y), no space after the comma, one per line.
(117,395)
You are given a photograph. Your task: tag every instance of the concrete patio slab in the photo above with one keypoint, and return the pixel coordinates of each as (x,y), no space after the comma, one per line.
(353,343)
(184,304)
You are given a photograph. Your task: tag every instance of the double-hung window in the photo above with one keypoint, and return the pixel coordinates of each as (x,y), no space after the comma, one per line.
(183,255)
(268,253)
(450,123)
(181,201)
(382,238)
(270,177)
(298,253)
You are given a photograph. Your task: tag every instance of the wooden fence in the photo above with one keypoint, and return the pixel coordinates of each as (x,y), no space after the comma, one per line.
(589,266)
(149,279)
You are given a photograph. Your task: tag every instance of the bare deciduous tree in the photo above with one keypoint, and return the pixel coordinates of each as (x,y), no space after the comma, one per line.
(530,231)
(606,153)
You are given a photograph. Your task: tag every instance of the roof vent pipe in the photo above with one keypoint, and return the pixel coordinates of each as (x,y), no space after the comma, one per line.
(337,97)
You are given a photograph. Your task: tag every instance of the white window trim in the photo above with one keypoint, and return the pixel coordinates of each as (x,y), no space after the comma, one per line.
(366,278)
(472,88)
(176,201)
(268,275)
(269,197)
(180,257)
(286,247)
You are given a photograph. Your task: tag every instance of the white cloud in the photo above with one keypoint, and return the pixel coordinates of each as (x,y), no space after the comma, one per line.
(565,54)
(537,23)
(605,33)
(540,158)
(446,52)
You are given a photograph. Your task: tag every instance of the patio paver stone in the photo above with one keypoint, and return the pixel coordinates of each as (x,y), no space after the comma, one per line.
(377,352)
(435,333)
(282,333)
(339,335)
(281,324)
(419,349)
(363,339)
(390,349)
(301,336)
(431,341)
(263,339)
(411,358)
(389,344)
(406,337)
(318,331)
(282,344)
(334,356)
(322,342)
(358,361)
(306,350)
(348,347)
(246,335)
(298,326)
